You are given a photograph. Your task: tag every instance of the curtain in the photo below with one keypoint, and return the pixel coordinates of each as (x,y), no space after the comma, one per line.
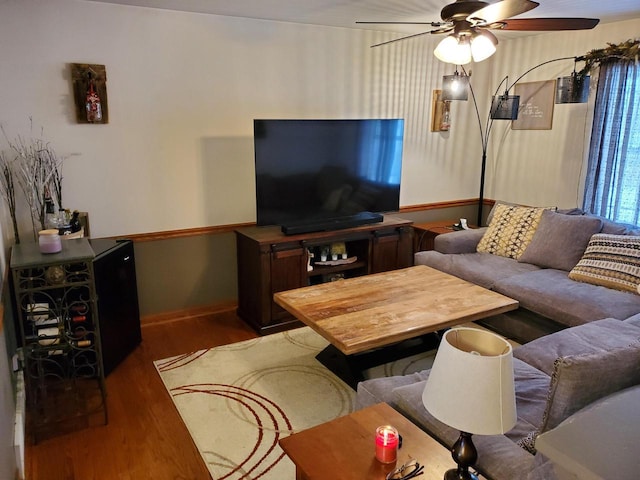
(612,187)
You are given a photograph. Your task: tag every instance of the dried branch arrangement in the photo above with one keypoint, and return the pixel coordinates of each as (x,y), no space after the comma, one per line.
(38,171)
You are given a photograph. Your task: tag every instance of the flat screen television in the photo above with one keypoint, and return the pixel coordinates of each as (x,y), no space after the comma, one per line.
(315,170)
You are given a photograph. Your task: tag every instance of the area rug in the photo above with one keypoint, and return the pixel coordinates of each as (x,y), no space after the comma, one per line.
(238,400)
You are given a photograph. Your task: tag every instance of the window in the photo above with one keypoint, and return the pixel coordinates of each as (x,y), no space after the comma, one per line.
(613,176)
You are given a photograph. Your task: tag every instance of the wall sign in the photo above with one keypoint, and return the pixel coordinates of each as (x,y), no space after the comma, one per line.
(536,105)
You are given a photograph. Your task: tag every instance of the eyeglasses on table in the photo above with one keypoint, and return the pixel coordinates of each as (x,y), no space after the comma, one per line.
(407,470)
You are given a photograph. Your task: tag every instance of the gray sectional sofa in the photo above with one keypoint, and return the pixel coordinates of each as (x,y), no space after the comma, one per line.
(539,279)
(581,340)
(556,377)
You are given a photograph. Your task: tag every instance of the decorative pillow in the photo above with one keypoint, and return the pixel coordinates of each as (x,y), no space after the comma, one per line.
(573,211)
(560,240)
(580,380)
(591,337)
(510,231)
(611,261)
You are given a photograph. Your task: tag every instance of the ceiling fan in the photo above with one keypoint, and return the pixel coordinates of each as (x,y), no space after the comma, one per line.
(468,23)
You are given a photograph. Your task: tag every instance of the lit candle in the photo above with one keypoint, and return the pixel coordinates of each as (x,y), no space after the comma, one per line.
(386,444)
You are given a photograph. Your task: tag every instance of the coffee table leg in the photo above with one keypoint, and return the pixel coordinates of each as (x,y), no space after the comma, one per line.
(343,366)
(350,368)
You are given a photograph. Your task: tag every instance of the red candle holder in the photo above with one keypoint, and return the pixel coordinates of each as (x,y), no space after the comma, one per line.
(387,440)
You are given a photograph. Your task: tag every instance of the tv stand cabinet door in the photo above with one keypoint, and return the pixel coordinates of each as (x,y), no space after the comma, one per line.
(391,249)
(288,271)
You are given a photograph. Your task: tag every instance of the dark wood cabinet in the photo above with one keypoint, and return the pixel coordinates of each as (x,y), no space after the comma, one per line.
(116,286)
(270,262)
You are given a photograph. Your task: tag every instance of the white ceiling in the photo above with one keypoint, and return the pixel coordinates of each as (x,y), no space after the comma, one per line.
(344,13)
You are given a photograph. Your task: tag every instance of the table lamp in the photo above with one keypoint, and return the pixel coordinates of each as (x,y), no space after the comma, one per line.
(471,388)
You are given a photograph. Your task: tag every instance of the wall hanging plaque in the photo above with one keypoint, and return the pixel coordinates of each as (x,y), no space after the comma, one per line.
(90,92)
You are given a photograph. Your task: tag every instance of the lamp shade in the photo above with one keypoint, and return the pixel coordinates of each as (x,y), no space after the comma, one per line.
(573,89)
(454,50)
(483,45)
(455,87)
(471,386)
(505,107)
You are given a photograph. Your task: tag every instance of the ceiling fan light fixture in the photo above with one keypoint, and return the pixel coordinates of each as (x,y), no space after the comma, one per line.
(454,49)
(483,45)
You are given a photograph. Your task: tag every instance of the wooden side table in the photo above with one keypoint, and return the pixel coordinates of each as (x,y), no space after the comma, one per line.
(344,448)
(424,234)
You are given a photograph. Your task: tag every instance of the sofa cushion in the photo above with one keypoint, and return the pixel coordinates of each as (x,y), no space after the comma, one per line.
(560,240)
(579,380)
(633,320)
(617,228)
(376,390)
(461,241)
(552,294)
(510,231)
(499,455)
(612,261)
(480,268)
(592,337)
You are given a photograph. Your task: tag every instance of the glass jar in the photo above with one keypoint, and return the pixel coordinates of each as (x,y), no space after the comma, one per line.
(49,241)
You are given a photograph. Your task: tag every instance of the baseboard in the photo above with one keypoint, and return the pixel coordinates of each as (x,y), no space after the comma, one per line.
(19,428)
(187,313)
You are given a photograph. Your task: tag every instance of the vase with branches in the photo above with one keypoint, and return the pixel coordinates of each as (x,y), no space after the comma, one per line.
(38,170)
(7,188)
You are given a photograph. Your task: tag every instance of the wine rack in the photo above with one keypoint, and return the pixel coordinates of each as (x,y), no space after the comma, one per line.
(59,336)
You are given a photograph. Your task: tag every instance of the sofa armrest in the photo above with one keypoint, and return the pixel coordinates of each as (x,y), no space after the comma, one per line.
(461,241)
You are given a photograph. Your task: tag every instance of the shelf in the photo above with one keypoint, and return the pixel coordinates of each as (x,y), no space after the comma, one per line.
(271,262)
(326,270)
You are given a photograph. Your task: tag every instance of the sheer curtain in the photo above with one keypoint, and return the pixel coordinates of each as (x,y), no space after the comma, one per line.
(613,176)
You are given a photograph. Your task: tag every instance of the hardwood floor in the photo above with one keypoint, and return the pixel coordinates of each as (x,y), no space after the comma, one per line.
(145,437)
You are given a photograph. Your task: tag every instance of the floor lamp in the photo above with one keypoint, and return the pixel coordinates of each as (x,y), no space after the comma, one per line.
(569,89)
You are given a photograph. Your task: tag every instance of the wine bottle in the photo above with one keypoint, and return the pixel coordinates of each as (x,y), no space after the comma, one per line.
(75,222)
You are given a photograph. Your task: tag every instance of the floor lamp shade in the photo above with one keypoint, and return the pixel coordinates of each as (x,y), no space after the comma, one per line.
(471,386)
(505,107)
(572,89)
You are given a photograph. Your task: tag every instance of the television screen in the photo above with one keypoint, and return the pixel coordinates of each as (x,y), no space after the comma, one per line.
(310,170)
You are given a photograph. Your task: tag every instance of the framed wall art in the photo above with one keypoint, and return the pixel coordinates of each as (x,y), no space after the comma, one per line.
(536,105)
(440,113)
(90,93)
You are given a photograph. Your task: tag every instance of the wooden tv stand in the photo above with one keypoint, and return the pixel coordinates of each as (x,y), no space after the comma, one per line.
(270,262)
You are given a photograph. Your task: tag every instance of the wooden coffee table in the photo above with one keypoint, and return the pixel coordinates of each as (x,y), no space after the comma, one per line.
(361,315)
(344,448)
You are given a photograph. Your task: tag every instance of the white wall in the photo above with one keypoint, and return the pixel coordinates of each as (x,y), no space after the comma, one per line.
(184,88)
(183,91)
(546,167)
(8,455)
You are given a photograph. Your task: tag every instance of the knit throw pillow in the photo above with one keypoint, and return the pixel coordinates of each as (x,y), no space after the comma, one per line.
(510,231)
(610,261)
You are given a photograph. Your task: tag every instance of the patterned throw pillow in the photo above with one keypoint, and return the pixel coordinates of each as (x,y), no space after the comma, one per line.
(510,231)
(611,261)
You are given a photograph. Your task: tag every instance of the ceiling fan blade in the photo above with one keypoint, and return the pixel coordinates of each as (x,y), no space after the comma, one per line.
(548,24)
(433,24)
(500,11)
(444,29)
(401,38)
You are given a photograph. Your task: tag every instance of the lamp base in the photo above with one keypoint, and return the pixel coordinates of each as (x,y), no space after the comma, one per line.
(464,453)
(455,474)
